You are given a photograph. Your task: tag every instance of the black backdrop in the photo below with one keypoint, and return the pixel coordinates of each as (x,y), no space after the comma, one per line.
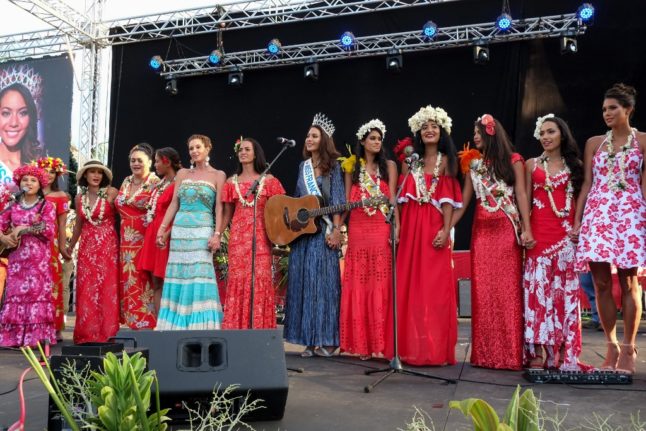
(521,81)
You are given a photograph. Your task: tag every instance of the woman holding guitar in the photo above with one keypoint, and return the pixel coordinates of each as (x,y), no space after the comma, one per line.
(312,314)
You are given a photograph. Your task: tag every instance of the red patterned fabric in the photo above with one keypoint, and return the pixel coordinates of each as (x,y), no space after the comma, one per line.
(238,292)
(61,205)
(426,303)
(152,258)
(97,283)
(366,285)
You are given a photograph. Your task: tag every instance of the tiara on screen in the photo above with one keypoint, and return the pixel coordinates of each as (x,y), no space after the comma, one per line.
(24,75)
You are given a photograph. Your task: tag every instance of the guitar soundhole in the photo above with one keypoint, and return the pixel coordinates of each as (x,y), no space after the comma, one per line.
(302,216)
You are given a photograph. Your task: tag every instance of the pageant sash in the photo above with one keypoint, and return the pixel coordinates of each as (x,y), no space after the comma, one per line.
(309,178)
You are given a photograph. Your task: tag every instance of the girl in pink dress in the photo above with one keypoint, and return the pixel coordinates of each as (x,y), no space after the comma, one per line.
(27,316)
(611,221)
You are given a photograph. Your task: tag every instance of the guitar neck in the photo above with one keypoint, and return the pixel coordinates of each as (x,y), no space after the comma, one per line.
(335,209)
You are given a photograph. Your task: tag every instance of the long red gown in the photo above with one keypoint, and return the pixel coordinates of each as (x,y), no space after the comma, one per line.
(238,292)
(97,282)
(426,303)
(366,284)
(152,258)
(61,205)
(496,291)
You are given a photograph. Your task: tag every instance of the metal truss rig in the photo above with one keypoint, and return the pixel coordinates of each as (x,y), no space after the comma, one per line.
(447,37)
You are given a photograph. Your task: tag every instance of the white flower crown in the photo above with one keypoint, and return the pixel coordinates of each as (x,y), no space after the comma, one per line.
(539,124)
(372,124)
(428,113)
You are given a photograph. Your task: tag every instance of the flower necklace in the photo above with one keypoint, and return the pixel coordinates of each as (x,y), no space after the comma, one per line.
(125,199)
(368,187)
(424,194)
(27,206)
(618,184)
(549,187)
(241,198)
(498,192)
(152,203)
(88,211)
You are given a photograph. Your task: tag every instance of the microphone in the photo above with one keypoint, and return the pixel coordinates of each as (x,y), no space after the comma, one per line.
(412,158)
(287,142)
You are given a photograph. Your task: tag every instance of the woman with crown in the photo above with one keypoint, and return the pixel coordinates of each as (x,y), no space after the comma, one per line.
(426,302)
(367,278)
(27,316)
(239,210)
(55,168)
(501,226)
(314,285)
(97,271)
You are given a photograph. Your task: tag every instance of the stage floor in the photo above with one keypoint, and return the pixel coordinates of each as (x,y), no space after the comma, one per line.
(329,394)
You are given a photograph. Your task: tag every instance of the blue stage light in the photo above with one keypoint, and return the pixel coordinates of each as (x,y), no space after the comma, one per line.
(585,12)
(503,22)
(347,40)
(274,46)
(215,57)
(430,29)
(156,63)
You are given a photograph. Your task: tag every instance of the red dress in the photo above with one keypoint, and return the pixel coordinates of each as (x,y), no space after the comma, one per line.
(238,292)
(426,303)
(496,290)
(366,285)
(61,205)
(137,308)
(152,258)
(97,282)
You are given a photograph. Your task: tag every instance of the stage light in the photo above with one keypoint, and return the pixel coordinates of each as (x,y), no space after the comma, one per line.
(215,57)
(585,12)
(568,45)
(480,54)
(274,47)
(347,40)
(156,63)
(236,78)
(311,70)
(504,21)
(394,60)
(430,30)
(171,87)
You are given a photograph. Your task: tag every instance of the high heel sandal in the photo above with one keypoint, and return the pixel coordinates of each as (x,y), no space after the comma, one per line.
(611,365)
(630,369)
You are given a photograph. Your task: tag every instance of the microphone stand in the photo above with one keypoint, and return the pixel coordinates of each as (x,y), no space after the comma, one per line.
(395,365)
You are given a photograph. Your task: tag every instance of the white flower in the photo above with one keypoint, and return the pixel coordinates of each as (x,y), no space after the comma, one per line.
(539,123)
(372,124)
(428,113)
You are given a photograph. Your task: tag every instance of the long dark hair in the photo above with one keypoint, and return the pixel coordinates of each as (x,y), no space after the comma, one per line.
(327,152)
(30,148)
(626,95)
(497,151)
(570,153)
(172,155)
(259,161)
(445,146)
(380,157)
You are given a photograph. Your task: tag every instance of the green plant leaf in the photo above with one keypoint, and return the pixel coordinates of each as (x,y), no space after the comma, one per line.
(141,409)
(484,417)
(511,414)
(528,407)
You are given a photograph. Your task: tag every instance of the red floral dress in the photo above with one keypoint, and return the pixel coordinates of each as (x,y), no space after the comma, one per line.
(238,292)
(152,258)
(62,206)
(137,308)
(551,285)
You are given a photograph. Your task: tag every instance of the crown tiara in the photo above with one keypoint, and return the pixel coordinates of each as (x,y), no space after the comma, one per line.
(324,123)
(24,75)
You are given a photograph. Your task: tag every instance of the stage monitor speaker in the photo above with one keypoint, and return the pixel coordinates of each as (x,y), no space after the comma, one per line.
(191,364)
(464,297)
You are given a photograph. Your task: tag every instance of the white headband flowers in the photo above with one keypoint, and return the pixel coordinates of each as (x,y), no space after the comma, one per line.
(428,113)
(539,124)
(372,124)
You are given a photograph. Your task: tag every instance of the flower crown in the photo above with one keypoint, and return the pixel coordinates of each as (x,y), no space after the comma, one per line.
(324,123)
(539,124)
(51,163)
(236,146)
(489,123)
(404,148)
(372,124)
(41,175)
(24,75)
(428,113)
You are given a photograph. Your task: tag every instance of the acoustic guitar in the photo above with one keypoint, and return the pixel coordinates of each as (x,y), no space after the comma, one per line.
(6,251)
(287,218)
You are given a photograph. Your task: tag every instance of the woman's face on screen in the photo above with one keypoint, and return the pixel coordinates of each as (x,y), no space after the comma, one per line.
(14,118)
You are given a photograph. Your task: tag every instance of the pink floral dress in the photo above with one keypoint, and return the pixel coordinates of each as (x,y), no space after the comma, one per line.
(614,219)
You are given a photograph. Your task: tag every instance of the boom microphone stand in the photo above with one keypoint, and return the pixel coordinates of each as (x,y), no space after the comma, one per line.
(395,365)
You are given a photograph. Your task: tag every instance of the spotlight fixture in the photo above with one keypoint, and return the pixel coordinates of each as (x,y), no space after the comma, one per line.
(568,45)
(429,29)
(394,60)
(311,70)
(480,54)
(171,87)
(504,21)
(215,57)
(236,78)
(274,47)
(347,40)
(585,12)
(156,63)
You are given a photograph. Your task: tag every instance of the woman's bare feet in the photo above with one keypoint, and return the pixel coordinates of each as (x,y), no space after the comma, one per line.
(627,358)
